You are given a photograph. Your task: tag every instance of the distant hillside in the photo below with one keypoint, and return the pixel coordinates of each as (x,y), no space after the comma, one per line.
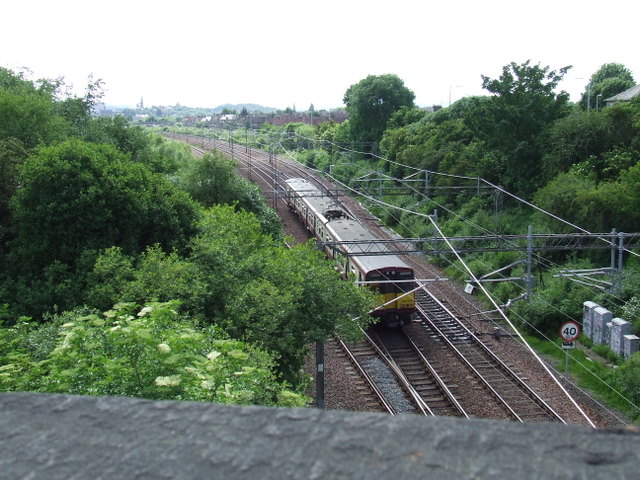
(251,108)
(180,110)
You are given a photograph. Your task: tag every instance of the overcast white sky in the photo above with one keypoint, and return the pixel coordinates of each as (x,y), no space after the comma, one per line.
(284,53)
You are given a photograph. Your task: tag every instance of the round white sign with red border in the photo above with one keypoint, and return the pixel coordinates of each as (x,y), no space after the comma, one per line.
(570,331)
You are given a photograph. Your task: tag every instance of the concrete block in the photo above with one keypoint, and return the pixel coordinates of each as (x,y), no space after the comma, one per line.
(619,328)
(601,316)
(630,345)
(587,317)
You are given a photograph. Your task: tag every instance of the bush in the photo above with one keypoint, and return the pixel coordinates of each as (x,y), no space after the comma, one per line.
(152,353)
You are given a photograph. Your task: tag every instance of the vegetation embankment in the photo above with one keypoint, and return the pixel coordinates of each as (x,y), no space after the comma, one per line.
(579,161)
(127,267)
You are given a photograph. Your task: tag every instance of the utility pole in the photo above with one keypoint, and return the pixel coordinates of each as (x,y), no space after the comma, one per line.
(320,375)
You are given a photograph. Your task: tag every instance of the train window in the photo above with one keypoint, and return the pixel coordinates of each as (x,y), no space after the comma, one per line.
(406,286)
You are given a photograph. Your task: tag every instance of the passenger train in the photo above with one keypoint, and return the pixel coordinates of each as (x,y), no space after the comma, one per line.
(329,222)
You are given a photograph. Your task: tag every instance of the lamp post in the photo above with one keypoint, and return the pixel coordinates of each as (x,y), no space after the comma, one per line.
(598,101)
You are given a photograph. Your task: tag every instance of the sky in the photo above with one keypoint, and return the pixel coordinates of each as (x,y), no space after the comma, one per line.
(294,53)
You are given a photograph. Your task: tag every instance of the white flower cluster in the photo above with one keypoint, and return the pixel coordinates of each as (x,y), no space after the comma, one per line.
(170,381)
(213,355)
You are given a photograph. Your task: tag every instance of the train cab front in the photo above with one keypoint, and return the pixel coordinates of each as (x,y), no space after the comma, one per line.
(392,285)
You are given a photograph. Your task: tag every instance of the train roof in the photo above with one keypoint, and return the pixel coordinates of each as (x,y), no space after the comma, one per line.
(345,229)
(351,230)
(324,205)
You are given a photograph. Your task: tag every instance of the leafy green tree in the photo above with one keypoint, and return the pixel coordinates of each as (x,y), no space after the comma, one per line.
(77,111)
(27,111)
(523,106)
(371,102)
(598,207)
(609,80)
(135,141)
(150,353)
(440,141)
(611,70)
(154,275)
(77,198)
(212,180)
(37,112)
(12,155)
(298,299)
(405,116)
(574,139)
(263,293)
(602,144)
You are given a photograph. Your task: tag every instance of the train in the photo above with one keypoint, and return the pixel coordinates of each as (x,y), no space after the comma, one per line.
(386,273)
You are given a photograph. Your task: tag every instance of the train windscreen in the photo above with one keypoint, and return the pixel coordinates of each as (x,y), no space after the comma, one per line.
(387,276)
(406,285)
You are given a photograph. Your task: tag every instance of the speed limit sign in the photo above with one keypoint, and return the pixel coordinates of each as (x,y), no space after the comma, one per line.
(570,331)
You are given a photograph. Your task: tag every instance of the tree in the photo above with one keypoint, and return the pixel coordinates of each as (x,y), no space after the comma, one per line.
(298,299)
(523,106)
(260,292)
(371,102)
(152,352)
(77,111)
(609,80)
(212,180)
(27,111)
(12,155)
(574,139)
(154,275)
(37,112)
(77,198)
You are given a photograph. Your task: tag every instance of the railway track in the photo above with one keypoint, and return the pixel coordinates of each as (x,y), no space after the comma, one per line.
(419,373)
(392,375)
(373,398)
(515,396)
(387,378)
(261,166)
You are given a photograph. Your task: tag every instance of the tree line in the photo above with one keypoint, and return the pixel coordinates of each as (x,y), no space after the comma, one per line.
(130,267)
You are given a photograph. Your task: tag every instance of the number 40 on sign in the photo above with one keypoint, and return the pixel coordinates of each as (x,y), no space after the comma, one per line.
(570,331)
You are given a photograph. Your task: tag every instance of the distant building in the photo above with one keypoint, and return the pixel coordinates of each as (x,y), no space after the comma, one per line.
(625,96)
(101,110)
(256,120)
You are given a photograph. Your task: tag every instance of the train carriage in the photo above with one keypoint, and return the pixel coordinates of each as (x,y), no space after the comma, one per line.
(385,273)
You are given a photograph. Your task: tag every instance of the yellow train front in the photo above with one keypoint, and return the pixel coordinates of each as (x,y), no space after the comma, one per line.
(396,299)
